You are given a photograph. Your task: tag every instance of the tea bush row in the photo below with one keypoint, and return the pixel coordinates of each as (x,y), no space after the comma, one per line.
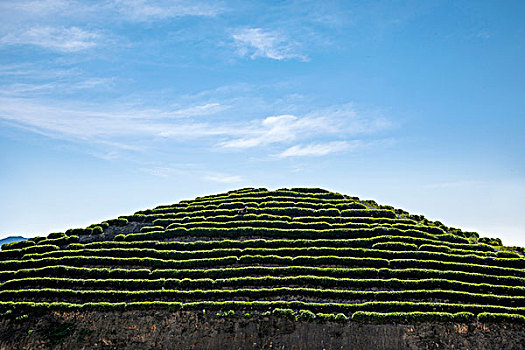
(260,205)
(457,248)
(205,262)
(280,233)
(258,259)
(18,253)
(217,273)
(287,225)
(384,307)
(61,241)
(248,198)
(286,251)
(45,294)
(265,281)
(270,217)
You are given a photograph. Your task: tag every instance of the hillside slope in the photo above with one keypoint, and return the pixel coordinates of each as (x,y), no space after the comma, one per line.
(304,254)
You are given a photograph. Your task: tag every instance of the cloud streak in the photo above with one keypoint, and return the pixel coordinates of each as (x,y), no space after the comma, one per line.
(129,127)
(257,42)
(145,11)
(86,122)
(342,121)
(352,121)
(67,26)
(278,129)
(128,10)
(319,149)
(63,39)
(224,178)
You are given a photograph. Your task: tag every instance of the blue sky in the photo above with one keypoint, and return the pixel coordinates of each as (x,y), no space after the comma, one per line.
(111,107)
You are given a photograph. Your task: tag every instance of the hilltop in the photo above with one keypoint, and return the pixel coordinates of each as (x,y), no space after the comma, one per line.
(251,258)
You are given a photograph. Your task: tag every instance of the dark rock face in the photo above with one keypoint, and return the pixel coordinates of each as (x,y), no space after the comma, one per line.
(192,330)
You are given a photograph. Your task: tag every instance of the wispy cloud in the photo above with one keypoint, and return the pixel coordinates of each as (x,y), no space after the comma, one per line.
(354,121)
(40,8)
(134,127)
(87,122)
(70,39)
(319,149)
(143,11)
(129,10)
(193,170)
(256,42)
(277,129)
(62,87)
(224,178)
(199,110)
(76,26)
(341,120)
(35,71)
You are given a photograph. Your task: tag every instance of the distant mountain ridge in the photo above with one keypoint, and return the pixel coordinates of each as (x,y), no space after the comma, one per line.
(12,239)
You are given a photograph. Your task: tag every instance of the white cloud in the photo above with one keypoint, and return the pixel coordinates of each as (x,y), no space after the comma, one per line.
(89,123)
(353,121)
(278,129)
(71,39)
(255,42)
(341,120)
(133,127)
(142,10)
(91,83)
(38,7)
(22,88)
(205,109)
(191,170)
(63,87)
(224,178)
(129,10)
(35,71)
(318,149)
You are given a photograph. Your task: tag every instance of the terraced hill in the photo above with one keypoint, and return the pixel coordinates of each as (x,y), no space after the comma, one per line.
(297,253)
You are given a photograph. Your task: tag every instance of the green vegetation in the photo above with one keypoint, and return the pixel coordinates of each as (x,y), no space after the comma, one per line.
(300,254)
